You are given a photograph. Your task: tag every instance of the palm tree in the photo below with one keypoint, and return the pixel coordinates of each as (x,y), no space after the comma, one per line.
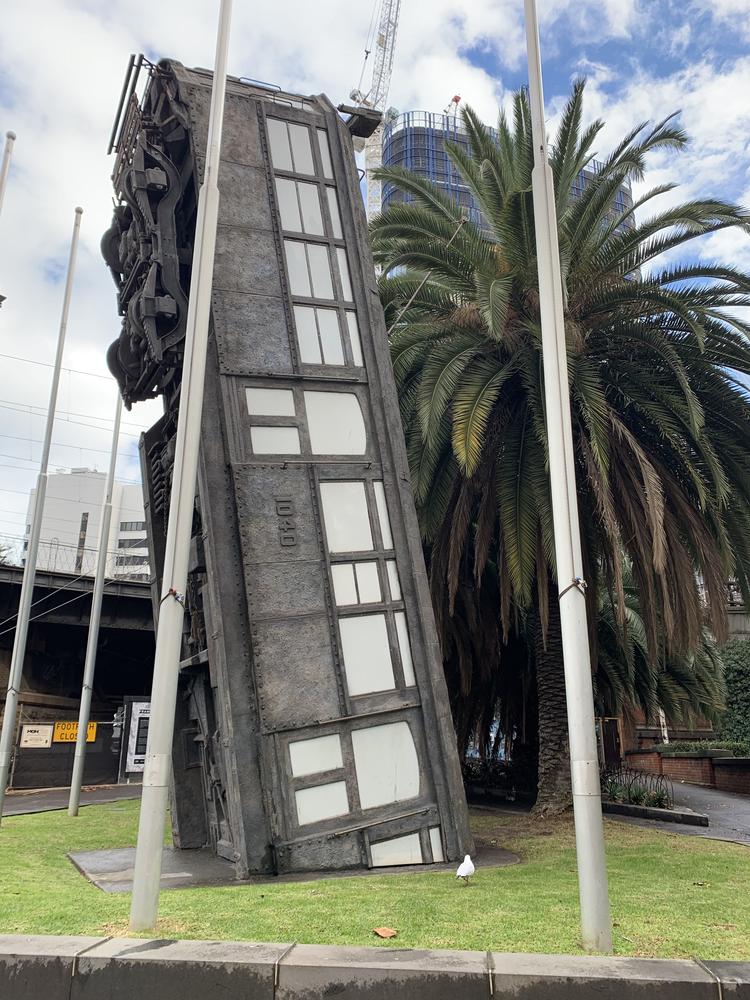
(656,359)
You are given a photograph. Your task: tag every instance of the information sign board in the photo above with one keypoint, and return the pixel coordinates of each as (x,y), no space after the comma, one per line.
(36,736)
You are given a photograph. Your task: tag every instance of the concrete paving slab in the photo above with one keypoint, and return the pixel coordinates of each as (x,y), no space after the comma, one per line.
(112,870)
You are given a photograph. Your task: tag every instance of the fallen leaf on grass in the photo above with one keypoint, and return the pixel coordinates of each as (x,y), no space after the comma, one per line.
(701,883)
(384,932)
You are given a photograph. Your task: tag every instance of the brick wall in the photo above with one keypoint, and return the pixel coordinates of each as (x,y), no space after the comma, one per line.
(650,762)
(694,770)
(733,775)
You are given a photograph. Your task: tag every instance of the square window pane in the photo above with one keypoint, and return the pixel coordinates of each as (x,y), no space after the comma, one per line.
(333,208)
(346,284)
(299,136)
(345,516)
(325,153)
(344,587)
(404,647)
(321,802)
(278,138)
(296,262)
(307,335)
(397,851)
(335,423)
(275,440)
(368,582)
(385,524)
(393,581)
(270,402)
(330,337)
(286,194)
(367,655)
(320,269)
(312,219)
(323,753)
(354,342)
(385,759)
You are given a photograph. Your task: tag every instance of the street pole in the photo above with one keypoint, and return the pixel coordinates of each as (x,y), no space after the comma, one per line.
(596,923)
(157,768)
(29,570)
(10,138)
(94,617)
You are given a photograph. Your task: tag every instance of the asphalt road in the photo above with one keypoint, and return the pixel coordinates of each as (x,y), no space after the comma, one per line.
(51,799)
(728,814)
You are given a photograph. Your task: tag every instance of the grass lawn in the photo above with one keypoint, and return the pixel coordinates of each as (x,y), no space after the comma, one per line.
(672,896)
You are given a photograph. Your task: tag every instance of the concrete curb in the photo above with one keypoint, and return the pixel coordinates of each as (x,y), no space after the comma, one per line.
(686,816)
(88,968)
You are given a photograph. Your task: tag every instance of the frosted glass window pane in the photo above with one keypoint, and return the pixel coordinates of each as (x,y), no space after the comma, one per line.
(404,647)
(368,583)
(330,337)
(312,219)
(299,136)
(286,194)
(354,341)
(393,581)
(307,335)
(320,269)
(344,587)
(345,517)
(321,802)
(398,851)
(313,756)
(278,137)
(335,423)
(333,208)
(275,440)
(386,762)
(436,843)
(325,153)
(296,262)
(270,402)
(346,284)
(367,655)
(385,524)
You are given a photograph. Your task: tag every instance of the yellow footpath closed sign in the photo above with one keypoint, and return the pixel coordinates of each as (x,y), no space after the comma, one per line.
(66,732)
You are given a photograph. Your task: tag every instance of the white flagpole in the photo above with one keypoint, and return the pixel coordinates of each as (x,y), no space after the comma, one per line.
(10,138)
(29,571)
(596,924)
(157,768)
(94,617)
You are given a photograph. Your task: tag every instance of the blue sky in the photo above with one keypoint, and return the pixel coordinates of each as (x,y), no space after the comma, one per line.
(61,69)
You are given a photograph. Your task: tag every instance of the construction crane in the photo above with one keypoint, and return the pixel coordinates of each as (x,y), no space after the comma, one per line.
(381,38)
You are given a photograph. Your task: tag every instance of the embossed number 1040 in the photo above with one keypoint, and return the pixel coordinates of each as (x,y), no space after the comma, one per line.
(287,528)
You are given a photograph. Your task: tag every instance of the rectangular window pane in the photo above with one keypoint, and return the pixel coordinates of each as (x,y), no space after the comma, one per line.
(385,524)
(321,802)
(323,753)
(345,516)
(281,155)
(346,284)
(404,647)
(320,269)
(344,587)
(333,208)
(325,153)
(312,219)
(275,440)
(286,195)
(307,335)
(354,342)
(301,149)
(270,402)
(367,655)
(393,581)
(296,262)
(368,583)
(330,337)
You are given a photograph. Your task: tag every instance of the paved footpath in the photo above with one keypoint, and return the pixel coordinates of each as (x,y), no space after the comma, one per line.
(728,814)
(51,799)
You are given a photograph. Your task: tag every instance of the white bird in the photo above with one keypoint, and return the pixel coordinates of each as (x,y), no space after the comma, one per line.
(465,869)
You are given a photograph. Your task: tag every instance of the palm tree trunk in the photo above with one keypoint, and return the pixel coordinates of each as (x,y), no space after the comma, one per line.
(553,782)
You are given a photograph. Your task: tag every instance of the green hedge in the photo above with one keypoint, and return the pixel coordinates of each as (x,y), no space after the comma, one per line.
(739,747)
(736,722)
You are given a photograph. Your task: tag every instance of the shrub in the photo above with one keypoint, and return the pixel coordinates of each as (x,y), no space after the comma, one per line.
(736,722)
(637,795)
(739,747)
(656,799)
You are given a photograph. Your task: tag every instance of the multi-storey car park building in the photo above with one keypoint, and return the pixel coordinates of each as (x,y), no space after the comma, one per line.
(313,727)
(416,141)
(69,539)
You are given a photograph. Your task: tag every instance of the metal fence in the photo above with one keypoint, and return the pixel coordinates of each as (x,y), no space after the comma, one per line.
(624,784)
(58,557)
